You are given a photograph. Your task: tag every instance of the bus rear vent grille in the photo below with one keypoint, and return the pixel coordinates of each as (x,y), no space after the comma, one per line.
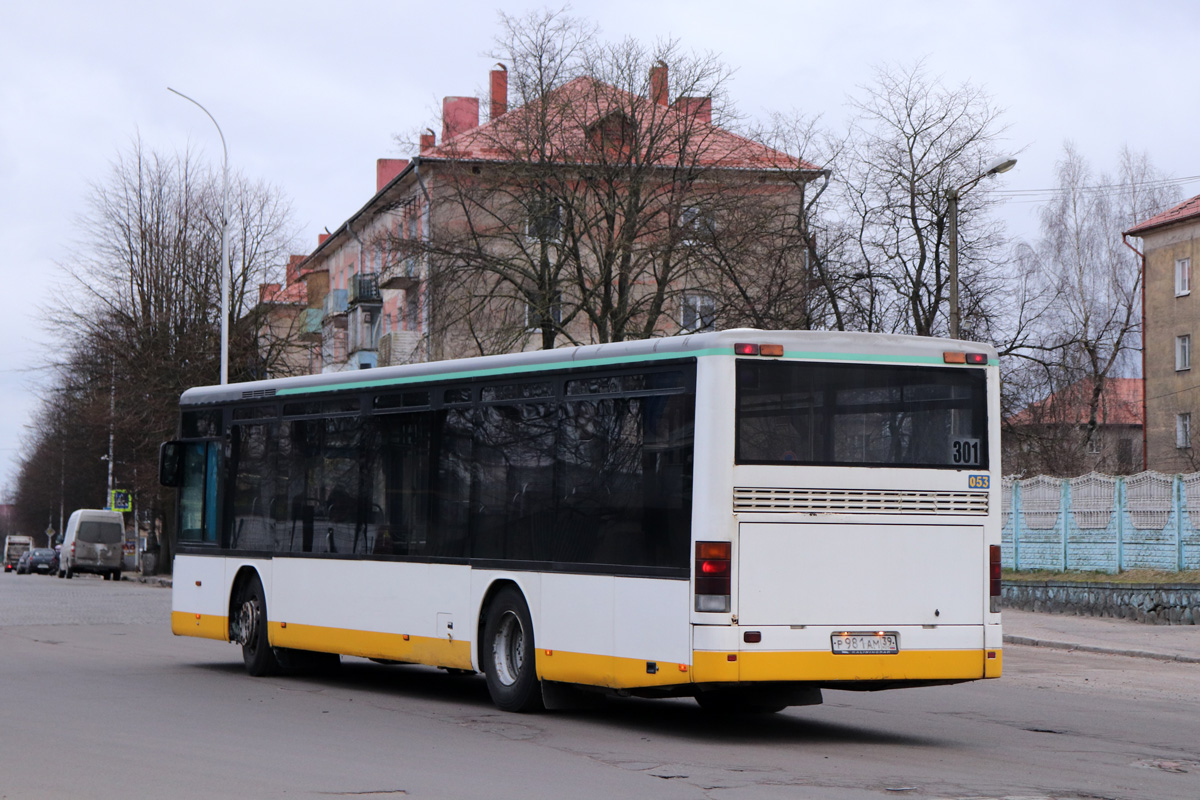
(857,501)
(255,394)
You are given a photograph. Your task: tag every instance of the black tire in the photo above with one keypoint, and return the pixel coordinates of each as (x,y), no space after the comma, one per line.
(249,627)
(117,575)
(508,653)
(107,576)
(70,573)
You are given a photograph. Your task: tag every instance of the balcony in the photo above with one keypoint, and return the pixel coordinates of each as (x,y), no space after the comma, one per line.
(336,302)
(400,347)
(364,290)
(404,273)
(310,324)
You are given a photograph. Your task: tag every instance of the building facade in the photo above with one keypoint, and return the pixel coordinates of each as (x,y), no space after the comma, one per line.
(1171,324)
(370,298)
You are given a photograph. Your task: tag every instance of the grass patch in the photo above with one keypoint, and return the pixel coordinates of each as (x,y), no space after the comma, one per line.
(1128,576)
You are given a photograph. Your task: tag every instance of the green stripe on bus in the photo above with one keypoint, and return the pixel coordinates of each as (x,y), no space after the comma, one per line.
(515,370)
(804,355)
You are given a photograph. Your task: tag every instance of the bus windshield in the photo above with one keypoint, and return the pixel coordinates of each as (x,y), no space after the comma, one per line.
(861,415)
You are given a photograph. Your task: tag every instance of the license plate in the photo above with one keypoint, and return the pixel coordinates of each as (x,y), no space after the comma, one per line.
(866,642)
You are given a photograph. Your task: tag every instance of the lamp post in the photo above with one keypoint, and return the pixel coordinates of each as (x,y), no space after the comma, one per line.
(952,195)
(224,240)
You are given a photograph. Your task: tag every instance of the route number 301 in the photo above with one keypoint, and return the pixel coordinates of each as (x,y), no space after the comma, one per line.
(965,452)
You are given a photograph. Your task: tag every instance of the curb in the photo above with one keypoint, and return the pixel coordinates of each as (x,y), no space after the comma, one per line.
(1087,648)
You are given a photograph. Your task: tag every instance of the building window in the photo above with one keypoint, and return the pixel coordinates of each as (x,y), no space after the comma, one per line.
(1183,276)
(544,223)
(1183,352)
(1094,445)
(533,319)
(699,313)
(1183,430)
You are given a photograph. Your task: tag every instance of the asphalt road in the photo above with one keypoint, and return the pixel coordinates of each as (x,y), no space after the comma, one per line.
(99,700)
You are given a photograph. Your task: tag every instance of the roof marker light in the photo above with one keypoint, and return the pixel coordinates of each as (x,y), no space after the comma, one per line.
(770,350)
(745,349)
(977,358)
(954,358)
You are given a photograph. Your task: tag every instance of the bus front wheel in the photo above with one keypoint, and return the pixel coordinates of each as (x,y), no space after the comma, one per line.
(508,654)
(250,630)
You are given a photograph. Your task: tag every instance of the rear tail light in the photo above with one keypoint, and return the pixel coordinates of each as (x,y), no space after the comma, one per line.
(994,576)
(713,576)
(751,349)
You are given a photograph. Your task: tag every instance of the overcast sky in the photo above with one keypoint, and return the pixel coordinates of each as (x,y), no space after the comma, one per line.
(310,94)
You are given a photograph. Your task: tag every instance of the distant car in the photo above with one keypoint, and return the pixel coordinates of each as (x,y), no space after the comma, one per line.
(23,563)
(42,560)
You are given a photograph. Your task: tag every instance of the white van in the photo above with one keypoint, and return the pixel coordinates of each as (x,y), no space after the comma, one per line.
(94,542)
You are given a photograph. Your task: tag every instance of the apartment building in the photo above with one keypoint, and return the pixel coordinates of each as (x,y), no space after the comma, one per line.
(369,298)
(1171,324)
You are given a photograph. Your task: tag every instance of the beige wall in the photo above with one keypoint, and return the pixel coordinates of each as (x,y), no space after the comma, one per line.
(1169,392)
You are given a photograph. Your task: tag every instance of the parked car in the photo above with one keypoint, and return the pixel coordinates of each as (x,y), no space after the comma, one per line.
(42,560)
(23,563)
(93,542)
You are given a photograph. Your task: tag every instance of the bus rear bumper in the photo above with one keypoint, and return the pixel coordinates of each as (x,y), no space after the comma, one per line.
(827,668)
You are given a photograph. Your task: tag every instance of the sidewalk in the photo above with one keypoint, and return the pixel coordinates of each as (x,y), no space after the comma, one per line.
(1102,635)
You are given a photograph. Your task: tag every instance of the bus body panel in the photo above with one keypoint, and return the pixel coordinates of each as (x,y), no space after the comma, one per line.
(200,597)
(830,574)
(374,609)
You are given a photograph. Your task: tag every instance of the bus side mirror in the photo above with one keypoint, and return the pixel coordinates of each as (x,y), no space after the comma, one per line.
(170,463)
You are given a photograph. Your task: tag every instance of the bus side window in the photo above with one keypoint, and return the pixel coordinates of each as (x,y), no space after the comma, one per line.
(198,497)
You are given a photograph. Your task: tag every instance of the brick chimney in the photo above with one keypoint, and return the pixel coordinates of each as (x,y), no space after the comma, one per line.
(459,114)
(321,237)
(267,292)
(293,268)
(386,169)
(658,84)
(699,108)
(428,140)
(499,106)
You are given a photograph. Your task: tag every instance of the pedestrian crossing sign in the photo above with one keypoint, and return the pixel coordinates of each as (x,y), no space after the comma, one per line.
(121,500)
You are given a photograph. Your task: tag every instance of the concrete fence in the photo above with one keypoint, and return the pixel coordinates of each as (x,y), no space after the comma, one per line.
(1102,523)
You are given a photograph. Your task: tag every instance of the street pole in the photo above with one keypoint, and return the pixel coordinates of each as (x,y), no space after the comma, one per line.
(952,195)
(224,240)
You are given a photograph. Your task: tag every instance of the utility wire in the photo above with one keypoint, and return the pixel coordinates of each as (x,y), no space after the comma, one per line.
(1037,195)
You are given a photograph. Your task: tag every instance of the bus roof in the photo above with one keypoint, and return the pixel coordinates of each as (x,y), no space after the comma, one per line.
(802,345)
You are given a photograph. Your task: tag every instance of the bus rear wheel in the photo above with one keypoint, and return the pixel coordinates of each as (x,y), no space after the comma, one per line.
(249,629)
(508,654)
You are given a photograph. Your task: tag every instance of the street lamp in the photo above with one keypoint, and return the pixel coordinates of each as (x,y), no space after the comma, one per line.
(224,241)
(952,195)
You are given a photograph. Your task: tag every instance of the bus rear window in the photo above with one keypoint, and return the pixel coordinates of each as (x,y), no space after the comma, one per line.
(863,415)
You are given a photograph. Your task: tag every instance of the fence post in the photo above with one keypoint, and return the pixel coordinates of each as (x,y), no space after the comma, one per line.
(1178,503)
(1121,501)
(1065,511)
(1016,512)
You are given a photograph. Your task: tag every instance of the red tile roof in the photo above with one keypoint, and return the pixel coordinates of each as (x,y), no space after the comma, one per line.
(577,109)
(1187,210)
(1120,404)
(294,293)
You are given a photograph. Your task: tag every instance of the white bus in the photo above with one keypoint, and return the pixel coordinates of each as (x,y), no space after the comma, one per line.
(746,517)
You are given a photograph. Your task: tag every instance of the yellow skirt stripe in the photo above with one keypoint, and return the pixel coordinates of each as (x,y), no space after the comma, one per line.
(614,672)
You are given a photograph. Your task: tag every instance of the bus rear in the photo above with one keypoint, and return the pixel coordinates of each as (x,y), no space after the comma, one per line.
(863,547)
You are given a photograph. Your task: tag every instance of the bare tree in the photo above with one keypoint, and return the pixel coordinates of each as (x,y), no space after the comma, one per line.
(141,323)
(1093,330)
(590,211)
(913,140)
